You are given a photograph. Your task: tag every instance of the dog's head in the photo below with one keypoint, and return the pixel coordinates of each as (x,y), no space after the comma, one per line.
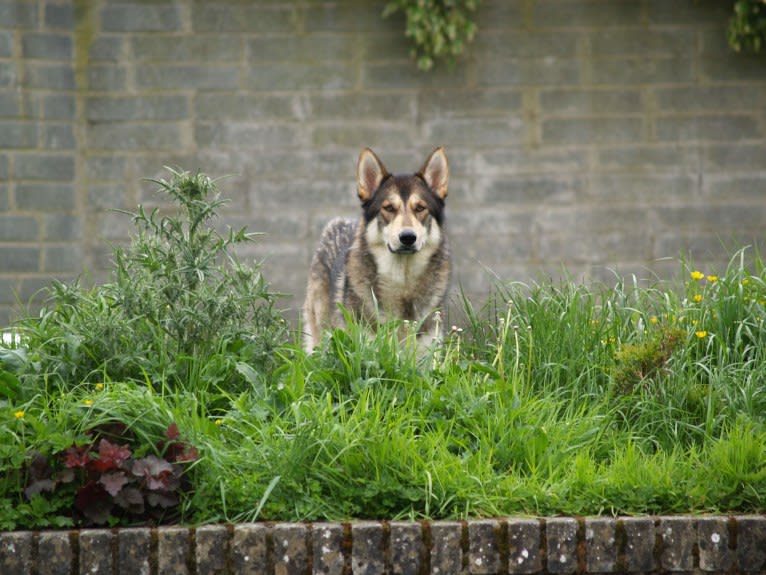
(405,212)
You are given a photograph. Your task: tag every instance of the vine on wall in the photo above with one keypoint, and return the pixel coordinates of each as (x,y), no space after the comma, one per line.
(747,27)
(439,28)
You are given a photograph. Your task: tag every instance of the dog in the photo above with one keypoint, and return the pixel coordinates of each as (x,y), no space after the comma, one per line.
(393,262)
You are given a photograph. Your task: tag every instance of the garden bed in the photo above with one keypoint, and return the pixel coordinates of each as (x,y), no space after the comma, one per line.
(175,394)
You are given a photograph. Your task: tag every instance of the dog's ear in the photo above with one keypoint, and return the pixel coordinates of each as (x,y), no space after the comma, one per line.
(436,172)
(370,173)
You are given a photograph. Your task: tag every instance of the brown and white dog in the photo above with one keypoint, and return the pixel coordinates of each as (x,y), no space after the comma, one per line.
(393,262)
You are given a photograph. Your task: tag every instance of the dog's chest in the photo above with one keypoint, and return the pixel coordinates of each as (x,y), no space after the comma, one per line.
(402,283)
(401,272)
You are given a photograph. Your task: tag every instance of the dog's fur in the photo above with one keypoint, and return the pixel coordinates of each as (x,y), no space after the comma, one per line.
(393,263)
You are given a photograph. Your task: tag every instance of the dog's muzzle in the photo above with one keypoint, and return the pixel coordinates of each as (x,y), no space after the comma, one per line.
(407,239)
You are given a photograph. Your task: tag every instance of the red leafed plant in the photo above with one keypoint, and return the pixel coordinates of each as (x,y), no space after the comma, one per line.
(109,484)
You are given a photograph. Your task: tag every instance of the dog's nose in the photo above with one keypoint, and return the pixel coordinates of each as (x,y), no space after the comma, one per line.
(407,237)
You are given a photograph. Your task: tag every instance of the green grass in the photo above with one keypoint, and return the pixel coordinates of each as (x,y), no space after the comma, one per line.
(549,399)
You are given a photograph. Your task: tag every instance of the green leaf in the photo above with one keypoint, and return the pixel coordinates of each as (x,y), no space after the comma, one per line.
(10,388)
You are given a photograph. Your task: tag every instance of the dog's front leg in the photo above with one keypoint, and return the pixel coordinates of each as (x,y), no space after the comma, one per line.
(430,332)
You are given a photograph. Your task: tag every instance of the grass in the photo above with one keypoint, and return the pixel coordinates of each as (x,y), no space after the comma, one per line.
(532,409)
(548,399)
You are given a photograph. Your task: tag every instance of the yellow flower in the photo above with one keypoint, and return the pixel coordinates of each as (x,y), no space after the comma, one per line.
(697,275)
(701,334)
(745,281)
(219,422)
(19,415)
(88,402)
(712,278)
(653,320)
(99,386)
(697,298)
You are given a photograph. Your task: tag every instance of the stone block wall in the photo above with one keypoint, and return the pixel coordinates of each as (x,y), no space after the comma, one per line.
(565,546)
(597,134)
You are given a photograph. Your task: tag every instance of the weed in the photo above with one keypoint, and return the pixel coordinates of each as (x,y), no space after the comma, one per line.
(181,308)
(636,364)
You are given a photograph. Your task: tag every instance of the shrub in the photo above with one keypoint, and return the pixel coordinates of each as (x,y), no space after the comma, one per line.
(180,309)
(104,481)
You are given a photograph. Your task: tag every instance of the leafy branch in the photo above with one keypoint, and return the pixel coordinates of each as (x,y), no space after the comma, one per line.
(747,27)
(439,28)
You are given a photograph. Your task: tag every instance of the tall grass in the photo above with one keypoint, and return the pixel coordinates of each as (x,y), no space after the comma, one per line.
(552,399)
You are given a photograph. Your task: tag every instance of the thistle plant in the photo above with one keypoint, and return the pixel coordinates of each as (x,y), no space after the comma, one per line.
(181,309)
(181,274)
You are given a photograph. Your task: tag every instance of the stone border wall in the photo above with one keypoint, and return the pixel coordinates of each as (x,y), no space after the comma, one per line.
(676,544)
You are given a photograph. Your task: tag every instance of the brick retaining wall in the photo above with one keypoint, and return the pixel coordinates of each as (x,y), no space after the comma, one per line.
(676,544)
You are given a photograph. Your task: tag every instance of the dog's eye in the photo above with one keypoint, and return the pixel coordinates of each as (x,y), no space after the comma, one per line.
(389,208)
(420,208)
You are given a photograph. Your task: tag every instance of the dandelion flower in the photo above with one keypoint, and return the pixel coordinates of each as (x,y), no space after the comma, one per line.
(653,320)
(219,422)
(697,275)
(712,278)
(19,415)
(99,386)
(697,298)
(701,334)
(88,402)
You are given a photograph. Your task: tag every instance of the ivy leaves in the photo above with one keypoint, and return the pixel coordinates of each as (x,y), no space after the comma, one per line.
(442,28)
(439,28)
(747,27)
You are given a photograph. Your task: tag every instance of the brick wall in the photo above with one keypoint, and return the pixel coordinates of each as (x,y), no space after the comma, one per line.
(565,546)
(594,133)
